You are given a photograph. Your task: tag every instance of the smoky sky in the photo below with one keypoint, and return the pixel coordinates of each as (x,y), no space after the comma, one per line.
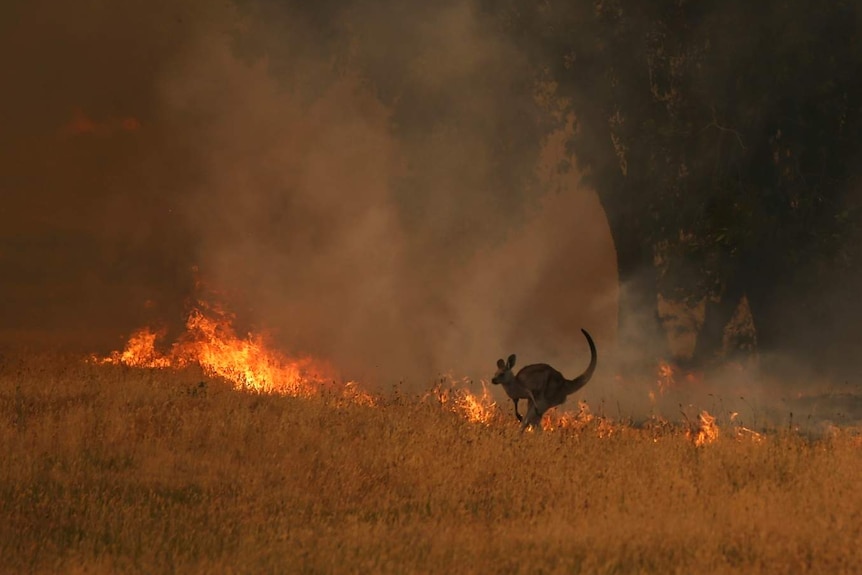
(141,139)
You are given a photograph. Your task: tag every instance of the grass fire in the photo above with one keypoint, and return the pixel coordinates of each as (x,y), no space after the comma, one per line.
(222,454)
(470,286)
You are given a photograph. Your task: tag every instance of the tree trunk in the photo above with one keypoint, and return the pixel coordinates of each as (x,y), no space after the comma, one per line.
(779,311)
(717,314)
(641,337)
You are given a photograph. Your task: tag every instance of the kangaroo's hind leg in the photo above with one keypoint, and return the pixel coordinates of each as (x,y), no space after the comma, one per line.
(535,413)
(533,417)
(518,415)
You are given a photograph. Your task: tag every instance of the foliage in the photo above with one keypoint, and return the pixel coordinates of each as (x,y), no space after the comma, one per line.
(720,136)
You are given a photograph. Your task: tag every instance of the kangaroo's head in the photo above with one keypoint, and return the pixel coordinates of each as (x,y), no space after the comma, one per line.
(504,373)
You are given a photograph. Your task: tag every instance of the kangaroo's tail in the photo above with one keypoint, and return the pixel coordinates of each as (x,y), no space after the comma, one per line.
(582,379)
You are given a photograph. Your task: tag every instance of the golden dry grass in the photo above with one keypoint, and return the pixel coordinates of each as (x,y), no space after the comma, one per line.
(112,469)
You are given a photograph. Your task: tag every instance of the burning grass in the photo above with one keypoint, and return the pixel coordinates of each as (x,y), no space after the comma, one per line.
(109,468)
(211,343)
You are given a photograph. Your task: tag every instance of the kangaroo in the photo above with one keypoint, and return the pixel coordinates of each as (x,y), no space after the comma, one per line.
(541,385)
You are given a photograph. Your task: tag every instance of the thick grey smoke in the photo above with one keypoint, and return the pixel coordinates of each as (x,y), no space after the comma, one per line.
(302,211)
(148,137)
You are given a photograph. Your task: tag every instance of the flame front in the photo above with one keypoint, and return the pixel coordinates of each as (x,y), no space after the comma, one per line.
(248,362)
(140,351)
(251,364)
(211,342)
(475,408)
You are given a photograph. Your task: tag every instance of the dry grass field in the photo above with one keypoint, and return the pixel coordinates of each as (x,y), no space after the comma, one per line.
(111,469)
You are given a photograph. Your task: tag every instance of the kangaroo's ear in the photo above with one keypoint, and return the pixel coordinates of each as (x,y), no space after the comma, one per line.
(511,363)
(501,364)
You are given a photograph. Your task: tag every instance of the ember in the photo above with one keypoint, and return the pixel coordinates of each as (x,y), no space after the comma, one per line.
(665,377)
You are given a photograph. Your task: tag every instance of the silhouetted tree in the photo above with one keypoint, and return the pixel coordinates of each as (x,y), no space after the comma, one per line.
(720,137)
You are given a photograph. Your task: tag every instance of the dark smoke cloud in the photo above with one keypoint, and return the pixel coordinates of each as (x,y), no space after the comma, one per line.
(381,239)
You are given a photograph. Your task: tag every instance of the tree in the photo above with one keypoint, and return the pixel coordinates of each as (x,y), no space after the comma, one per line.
(720,138)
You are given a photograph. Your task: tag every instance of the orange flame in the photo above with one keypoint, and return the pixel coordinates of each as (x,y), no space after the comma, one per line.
(140,351)
(250,363)
(211,342)
(567,420)
(579,421)
(706,430)
(474,408)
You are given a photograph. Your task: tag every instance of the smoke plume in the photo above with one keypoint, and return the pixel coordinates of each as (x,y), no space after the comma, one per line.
(303,211)
(334,171)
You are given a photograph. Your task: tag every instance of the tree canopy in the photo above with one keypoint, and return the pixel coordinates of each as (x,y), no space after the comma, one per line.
(721,138)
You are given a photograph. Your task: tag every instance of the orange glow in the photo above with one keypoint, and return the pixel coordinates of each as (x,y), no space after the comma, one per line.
(665,377)
(130,124)
(81,124)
